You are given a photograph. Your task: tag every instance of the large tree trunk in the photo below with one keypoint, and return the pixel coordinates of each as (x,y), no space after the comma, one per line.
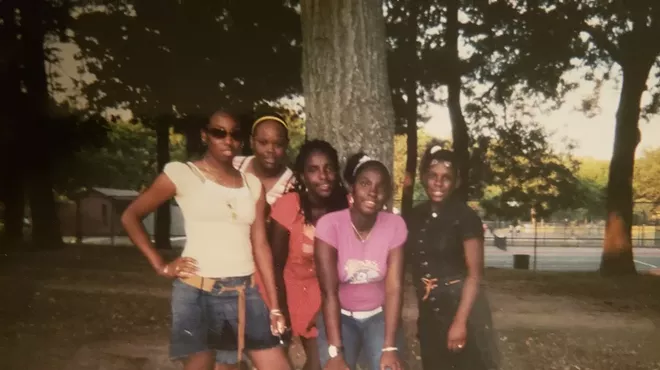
(410,90)
(45,222)
(345,83)
(461,139)
(11,186)
(163,217)
(617,256)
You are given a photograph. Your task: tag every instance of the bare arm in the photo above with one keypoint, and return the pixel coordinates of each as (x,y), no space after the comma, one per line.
(162,190)
(262,253)
(325,257)
(279,243)
(393,295)
(474,260)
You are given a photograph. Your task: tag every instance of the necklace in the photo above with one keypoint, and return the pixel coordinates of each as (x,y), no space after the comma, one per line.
(231,209)
(360,235)
(228,202)
(216,175)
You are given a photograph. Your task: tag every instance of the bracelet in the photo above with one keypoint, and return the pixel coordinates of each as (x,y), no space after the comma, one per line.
(390,349)
(166,269)
(276,312)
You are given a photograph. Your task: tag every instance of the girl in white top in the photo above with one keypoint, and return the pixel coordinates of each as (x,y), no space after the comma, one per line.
(224,213)
(269,141)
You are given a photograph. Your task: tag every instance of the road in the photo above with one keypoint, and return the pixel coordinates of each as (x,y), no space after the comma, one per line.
(550,258)
(567,258)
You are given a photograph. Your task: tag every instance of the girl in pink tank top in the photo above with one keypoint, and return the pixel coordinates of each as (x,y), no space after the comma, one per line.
(293,221)
(359,257)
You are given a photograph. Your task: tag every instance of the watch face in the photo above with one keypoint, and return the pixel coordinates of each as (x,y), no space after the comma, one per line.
(332,351)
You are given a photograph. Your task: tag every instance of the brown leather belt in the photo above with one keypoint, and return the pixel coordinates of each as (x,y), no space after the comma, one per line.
(208,284)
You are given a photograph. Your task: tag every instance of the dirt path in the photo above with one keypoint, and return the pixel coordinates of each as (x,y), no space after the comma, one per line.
(90,311)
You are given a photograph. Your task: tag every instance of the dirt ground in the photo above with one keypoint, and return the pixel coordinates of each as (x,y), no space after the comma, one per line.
(101,308)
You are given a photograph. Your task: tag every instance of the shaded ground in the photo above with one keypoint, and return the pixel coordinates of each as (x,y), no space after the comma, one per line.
(101,308)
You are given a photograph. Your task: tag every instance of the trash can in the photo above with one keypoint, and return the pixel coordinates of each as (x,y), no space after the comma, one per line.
(521,261)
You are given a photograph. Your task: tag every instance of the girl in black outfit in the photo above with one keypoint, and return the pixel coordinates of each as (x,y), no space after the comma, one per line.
(446,253)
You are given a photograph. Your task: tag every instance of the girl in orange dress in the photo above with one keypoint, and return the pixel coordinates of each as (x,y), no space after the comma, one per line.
(318,191)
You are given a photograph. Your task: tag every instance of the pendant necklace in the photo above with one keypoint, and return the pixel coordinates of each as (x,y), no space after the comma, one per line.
(360,235)
(228,202)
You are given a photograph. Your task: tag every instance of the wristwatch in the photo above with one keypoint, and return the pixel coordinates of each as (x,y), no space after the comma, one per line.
(334,351)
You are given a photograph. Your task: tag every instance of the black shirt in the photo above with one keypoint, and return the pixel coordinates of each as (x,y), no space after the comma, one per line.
(435,239)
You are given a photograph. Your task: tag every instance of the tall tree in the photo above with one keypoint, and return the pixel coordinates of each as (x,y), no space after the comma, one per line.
(12,194)
(630,39)
(345,81)
(403,26)
(459,128)
(34,22)
(624,34)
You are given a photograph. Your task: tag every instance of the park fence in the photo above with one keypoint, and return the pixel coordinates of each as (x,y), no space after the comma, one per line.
(567,234)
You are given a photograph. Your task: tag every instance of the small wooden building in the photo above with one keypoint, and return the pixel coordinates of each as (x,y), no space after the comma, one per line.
(97,212)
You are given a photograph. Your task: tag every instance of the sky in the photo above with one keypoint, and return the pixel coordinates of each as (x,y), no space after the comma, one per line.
(594,136)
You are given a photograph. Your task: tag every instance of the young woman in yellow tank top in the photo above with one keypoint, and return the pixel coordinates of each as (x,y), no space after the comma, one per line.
(224,212)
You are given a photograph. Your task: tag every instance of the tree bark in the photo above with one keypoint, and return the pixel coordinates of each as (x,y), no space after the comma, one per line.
(617,256)
(460,136)
(163,216)
(346,88)
(410,89)
(11,187)
(46,231)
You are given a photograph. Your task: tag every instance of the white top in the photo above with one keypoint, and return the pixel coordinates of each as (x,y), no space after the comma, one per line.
(283,184)
(217,220)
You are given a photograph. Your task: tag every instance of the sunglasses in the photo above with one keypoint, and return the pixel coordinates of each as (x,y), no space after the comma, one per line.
(221,133)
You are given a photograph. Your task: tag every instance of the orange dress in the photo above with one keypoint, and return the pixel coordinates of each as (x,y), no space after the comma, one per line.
(302,286)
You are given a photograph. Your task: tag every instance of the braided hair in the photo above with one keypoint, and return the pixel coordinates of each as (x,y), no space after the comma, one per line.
(338,200)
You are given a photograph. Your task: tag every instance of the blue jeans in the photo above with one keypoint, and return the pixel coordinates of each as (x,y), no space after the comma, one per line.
(362,340)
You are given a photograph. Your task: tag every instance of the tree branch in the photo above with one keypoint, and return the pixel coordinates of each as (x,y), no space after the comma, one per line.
(654,29)
(601,40)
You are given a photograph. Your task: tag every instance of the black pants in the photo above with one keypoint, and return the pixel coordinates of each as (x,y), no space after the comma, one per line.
(435,318)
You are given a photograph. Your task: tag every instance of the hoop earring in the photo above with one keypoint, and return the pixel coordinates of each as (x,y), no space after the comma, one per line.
(350,200)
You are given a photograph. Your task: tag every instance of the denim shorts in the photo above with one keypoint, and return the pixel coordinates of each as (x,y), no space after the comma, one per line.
(201,321)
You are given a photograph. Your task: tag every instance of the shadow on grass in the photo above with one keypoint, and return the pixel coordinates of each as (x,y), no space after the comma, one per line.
(629,293)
